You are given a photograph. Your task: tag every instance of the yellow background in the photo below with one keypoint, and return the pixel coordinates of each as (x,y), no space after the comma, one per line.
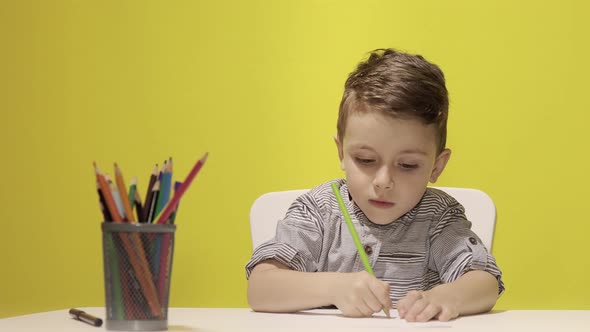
(257,84)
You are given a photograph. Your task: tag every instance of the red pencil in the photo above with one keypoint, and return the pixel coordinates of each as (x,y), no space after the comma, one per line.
(178,194)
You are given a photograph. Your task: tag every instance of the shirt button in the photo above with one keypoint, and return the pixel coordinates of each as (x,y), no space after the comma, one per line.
(473,240)
(368,250)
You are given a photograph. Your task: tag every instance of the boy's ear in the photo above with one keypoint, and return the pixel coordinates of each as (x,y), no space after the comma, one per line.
(439,164)
(340,152)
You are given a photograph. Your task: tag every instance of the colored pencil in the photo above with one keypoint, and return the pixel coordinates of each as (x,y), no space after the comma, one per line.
(114,264)
(118,296)
(165,184)
(152,203)
(123,303)
(116,196)
(117,206)
(132,190)
(123,193)
(164,265)
(177,195)
(163,198)
(177,185)
(139,302)
(148,194)
(107,193)
(135,239)
(103,204)
(139,207)
(108,197)
(138,262)
(163,268)
(355,236)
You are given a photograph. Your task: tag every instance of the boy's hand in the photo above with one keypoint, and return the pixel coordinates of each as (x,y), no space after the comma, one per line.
(422,306)
(360,294)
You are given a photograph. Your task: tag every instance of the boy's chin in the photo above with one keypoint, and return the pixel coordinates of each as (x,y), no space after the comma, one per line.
(383,220)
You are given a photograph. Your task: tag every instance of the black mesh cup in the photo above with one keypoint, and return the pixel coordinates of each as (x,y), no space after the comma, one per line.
(137,261)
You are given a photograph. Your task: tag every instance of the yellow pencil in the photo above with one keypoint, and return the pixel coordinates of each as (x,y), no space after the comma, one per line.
(123,193)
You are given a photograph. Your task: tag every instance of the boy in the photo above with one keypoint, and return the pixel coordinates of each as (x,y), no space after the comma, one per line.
(427,262)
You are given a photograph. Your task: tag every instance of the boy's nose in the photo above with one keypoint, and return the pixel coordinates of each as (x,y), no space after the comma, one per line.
(384,179)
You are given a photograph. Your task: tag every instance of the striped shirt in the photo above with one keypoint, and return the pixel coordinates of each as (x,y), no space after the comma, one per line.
(429,245)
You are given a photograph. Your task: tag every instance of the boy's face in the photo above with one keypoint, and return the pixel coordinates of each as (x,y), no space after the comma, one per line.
(388,163)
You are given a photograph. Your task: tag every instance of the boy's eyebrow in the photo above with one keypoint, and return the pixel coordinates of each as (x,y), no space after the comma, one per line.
(413,151)
(406,151)
(361,147)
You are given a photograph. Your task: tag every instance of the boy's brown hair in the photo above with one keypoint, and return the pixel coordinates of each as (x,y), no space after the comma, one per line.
(398,84)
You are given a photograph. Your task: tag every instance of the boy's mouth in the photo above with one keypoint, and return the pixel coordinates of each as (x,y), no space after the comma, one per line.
(381,204)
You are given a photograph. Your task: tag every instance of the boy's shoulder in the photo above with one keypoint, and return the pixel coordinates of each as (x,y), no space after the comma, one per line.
(317,204)
(439,197)
(437,202)
(320,197)
(325,189)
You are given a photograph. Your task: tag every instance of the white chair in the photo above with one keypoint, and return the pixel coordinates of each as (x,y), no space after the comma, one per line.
(269,208)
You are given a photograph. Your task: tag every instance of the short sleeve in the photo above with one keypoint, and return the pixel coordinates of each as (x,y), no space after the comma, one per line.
(455,249)
(298,239)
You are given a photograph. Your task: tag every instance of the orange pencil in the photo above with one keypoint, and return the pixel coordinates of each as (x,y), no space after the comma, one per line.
(123,193)
(108,197)
(116,196)
(139,262)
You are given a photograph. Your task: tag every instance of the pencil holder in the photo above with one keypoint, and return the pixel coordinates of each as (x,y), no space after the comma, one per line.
(137,261)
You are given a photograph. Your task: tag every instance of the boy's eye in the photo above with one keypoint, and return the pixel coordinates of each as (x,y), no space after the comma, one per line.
(365,161)
(408,166)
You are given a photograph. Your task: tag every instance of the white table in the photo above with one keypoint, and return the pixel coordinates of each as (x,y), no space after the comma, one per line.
(243,319)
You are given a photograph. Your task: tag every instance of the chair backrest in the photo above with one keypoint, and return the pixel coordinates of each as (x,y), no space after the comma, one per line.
(269,208)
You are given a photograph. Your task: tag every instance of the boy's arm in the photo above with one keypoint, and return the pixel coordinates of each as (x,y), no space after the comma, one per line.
(471,279)
(273,287)
(474,292)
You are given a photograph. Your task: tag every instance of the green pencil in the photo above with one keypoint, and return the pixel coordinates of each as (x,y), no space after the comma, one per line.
(355,236)
(132,189)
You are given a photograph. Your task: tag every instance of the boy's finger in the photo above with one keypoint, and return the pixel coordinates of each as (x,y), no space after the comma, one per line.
(404,305)
(428,313)
(365,309)
(351,311)
(416,308)
(380,290)
(445,315)
(373,302)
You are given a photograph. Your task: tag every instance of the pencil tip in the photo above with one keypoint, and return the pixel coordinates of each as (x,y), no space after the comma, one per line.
(96,169)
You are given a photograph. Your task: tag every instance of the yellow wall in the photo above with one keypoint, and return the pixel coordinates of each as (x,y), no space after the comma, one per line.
(257,84)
